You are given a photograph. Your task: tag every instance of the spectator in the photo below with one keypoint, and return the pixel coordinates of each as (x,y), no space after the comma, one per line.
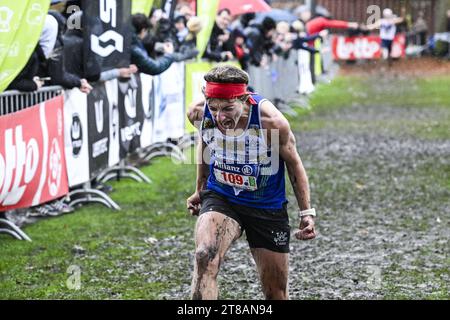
(55,67)
(219,48)
(319,23)
(241,52)
(388,29)
(302,39)
(73,50)
(27,79)
(194,26)
(139,55)
(259,41)
(48,36)
(420,28)
(181,29)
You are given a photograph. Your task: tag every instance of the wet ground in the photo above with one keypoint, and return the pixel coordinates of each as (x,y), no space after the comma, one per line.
(381,191)
(383,202)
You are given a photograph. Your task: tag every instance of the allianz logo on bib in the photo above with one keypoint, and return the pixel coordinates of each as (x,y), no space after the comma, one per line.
(227,167)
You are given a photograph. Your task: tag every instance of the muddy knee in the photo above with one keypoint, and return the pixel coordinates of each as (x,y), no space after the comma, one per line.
(207,259)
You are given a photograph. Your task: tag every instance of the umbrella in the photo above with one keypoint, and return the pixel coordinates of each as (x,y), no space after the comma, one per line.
(277,15)
(238,7)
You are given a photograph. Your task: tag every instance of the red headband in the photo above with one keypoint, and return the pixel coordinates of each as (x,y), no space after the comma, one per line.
(227,90)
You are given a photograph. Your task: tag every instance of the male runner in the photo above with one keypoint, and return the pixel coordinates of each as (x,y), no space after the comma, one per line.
(246,142)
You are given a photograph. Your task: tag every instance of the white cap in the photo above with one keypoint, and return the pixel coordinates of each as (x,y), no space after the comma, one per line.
(387,13)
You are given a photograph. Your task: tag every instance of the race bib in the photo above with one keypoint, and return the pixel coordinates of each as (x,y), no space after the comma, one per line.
(245,179)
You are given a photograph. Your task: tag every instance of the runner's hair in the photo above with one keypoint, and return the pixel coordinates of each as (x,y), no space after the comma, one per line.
(227,74)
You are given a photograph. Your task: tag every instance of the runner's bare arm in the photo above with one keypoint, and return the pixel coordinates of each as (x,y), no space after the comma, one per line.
(202,167)
(272,119)
(193,203)
(195,112)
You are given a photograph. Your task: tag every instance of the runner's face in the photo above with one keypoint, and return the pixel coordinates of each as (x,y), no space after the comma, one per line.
(226,113)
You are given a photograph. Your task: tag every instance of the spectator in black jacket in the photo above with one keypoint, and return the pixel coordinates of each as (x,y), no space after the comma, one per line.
(219,47)
(259,40)
(27,79)
(55,67)
(74,56)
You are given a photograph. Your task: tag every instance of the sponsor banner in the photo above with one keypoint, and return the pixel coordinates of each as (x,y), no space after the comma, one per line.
(141,6)
(148,103)
(76,137)
(131,115)
(206,10)
(306,85)
(98,129)
(107,34)
(111,88)
(21,23)
(32,160)
(365,47)
(318,57)
(169,102)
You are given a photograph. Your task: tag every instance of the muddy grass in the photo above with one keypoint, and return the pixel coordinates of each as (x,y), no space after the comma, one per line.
(379,171)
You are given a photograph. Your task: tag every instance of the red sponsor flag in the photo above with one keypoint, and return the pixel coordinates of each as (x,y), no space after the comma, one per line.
(32,160)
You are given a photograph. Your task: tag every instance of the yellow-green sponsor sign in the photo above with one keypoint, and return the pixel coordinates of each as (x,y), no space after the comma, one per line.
(194,73)
(318,58)
(21,23)
(206,10)
(141,6)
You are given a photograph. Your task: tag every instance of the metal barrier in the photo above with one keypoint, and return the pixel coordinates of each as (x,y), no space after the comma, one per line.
(13,101)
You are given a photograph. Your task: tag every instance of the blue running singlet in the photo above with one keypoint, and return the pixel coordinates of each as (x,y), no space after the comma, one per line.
(243,168)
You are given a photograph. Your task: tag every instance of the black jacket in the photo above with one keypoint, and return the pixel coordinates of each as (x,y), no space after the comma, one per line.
(24,80)
(257,43)
(73,52)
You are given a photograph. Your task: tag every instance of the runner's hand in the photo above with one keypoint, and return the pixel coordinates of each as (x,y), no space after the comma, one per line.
(193,204)
(307,229)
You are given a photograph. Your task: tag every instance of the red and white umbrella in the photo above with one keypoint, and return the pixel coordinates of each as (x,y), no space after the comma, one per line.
(238,7)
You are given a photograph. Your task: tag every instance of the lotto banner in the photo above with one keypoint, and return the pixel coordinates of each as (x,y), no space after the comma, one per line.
(76,137)
(21,24)
(365,47)
(32,158)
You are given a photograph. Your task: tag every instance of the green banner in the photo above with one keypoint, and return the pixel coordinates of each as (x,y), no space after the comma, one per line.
(206,10)
(141,6)
(21,23)
(318,57)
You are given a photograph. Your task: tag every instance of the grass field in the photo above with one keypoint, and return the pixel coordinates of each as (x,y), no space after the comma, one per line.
(145,250)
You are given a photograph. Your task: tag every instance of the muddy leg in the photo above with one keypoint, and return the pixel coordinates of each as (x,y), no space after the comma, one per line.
(273,269)
(214,234)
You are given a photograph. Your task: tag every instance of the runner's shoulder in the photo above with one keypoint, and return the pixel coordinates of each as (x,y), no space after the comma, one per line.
(272,118)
